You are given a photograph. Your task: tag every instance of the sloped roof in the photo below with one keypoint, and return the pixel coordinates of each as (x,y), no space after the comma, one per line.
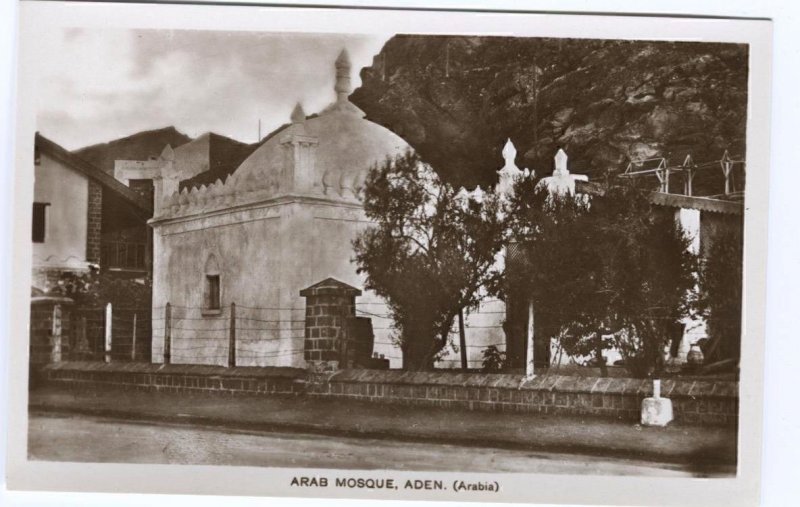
(223,157)
(138,204)
(330,286)
(708,204)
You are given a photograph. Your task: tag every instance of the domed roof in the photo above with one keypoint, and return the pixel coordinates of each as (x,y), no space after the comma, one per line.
(345,146)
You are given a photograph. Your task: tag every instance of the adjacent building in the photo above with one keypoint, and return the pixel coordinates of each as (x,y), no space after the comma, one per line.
(82,217)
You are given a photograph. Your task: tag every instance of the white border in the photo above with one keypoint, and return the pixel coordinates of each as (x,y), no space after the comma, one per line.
(553,488)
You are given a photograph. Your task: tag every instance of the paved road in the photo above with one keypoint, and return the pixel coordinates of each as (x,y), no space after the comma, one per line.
(92,439)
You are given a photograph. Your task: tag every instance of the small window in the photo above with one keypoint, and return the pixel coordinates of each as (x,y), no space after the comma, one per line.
(39,221)
(212,292)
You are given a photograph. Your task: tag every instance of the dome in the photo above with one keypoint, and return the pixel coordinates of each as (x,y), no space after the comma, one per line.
(329,154)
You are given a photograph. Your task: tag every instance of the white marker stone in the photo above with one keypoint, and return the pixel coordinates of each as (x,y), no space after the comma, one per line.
(656,411)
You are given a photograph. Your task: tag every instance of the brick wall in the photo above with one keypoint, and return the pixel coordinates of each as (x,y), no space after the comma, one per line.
(695,402)
(329,305)
(94,222)
(703,402)
(179,377)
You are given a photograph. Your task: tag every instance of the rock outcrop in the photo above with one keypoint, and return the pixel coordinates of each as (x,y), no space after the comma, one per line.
(457,99)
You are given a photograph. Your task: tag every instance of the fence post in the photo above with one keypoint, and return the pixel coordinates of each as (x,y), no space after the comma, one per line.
(133,339)
(462,340)
(232,338)
(529,356)
(167,333)
(109,326)
(55,349)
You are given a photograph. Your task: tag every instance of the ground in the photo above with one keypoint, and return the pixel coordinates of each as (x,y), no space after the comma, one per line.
(74,438)
(273,431)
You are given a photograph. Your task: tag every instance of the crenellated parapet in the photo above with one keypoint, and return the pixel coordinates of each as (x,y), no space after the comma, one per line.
(326,157)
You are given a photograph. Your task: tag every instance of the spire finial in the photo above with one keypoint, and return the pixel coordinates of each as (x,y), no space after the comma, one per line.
(298,115)
(343,87)
(509,152)
(561,162)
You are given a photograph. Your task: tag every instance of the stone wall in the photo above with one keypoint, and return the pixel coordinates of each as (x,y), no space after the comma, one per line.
(695,401)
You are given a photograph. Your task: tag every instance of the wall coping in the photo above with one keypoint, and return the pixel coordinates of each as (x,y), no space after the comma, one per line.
(670,388)
(180,369)
(63,300)
(553,383)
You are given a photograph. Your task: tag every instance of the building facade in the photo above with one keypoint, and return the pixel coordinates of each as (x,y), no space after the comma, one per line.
(83,217)
(282,221)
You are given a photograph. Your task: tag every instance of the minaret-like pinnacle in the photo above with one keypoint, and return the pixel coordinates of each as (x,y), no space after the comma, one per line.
(561,162)
(509,152)
(298,115)
(343,87)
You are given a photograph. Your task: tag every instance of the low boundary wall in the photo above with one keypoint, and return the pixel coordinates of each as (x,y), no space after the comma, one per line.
(694,401)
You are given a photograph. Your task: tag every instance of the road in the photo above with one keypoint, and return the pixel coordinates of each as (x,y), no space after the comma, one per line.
(94,439)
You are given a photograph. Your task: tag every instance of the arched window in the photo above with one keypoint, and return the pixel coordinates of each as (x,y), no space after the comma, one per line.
(212,288)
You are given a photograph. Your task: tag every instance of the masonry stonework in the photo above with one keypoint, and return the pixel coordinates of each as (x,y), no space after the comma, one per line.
(695,401)
(94,222)
(329,305)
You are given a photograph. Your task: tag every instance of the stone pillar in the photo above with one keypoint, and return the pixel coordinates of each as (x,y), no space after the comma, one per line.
(329,305)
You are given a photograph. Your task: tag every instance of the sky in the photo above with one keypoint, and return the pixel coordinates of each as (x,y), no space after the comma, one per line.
(100,85)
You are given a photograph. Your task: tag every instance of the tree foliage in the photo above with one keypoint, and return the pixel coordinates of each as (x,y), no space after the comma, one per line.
(615,266)
(428,254)
(720,300)
(95,288)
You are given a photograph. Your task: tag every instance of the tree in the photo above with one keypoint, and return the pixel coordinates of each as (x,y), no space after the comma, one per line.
(549,230)
(720,295)
(647,274)
(615,266)
(428,253)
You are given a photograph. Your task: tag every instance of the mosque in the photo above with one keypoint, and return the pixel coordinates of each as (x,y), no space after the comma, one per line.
(282,221)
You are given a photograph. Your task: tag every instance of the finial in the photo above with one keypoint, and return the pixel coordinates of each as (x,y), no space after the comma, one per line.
(167,153)
(343,87)
(509,152)
(298,115)
(561,162)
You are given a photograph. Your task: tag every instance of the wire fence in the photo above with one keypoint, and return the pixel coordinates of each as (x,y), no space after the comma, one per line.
(237,334)
(129,329)
(233,334)
(483,328)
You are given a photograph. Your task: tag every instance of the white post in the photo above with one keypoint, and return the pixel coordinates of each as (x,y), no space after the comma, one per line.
(108,333)
(656,411)
(133,339)
(529,355)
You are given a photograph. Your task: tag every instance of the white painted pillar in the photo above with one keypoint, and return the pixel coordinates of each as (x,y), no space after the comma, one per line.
(108,333)
(529,355)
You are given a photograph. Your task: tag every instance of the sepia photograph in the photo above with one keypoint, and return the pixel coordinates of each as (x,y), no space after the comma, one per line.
(394,261)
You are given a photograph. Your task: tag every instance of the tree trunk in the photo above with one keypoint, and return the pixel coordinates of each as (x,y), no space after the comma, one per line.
(418,353)
(462,340)
(542,332)
(601,361)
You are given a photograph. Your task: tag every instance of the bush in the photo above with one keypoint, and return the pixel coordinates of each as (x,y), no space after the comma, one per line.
(493,359)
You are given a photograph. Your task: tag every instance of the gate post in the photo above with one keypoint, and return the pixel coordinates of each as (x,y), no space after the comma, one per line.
(133,339)
(232,338)
(329,305)
(167,333)
(108,329)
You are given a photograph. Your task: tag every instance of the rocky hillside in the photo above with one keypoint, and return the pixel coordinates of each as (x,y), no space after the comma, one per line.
(139,146)
(456,100)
